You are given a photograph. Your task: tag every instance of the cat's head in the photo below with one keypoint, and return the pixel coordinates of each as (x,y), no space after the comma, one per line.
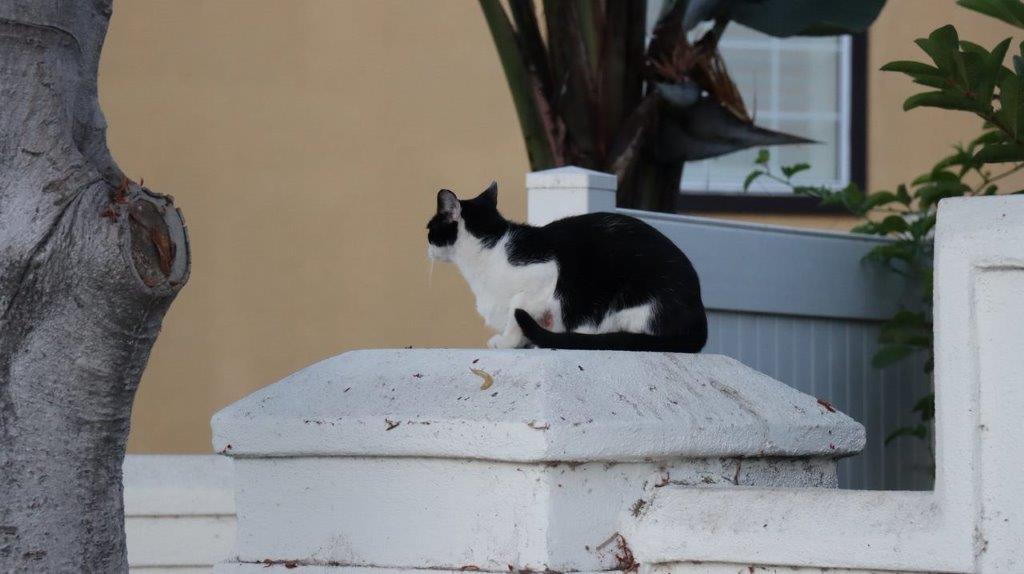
(459,220)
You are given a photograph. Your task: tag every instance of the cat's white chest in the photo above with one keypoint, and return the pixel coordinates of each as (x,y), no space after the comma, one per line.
(500,287)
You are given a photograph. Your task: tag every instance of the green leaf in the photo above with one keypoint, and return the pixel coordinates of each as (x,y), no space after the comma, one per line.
(959,159)
(974,60)
(919,431)
(522,86)
(783,18)
(943,46)
(989,74)
(911,68)
(926,406)
(1010,99)
(907,328)
(891,354)
(921,226)
(1009,11)
(934,176)
(968,46)
(927,284)
(751,177)
(574,75)
(524,18)
(763,156)
(931,194)
(939,82)
(989,137)
(907,317)
(853,198)
(902,195)
(790,170)
(944,100)
(896,251)
(1000,153)
(868,228)
(891,224)
(878,199)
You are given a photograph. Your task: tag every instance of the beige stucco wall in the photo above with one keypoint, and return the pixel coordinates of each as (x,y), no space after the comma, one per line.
(903,144)
(305,141)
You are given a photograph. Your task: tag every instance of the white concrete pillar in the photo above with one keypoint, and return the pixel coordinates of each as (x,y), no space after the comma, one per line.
(564,191)
(502,461)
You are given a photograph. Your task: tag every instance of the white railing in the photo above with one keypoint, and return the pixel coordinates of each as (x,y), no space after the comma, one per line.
(179,512)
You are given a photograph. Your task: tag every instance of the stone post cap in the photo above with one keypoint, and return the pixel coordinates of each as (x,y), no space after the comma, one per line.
(532,406)
(571,177)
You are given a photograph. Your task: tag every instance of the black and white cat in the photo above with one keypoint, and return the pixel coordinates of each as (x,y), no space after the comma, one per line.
(595,281)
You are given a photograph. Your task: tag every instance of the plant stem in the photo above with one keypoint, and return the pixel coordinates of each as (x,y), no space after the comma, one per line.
(1015,169)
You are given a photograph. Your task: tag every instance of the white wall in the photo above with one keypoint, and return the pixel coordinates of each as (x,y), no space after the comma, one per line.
(179,512)
(973,521)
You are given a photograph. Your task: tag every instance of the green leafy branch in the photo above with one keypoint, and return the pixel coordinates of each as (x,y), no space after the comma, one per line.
(963,76)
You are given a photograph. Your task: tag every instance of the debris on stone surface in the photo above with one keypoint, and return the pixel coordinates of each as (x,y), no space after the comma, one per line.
(638,507)
(828,406)
(624,559)
(488,379)
(289,564)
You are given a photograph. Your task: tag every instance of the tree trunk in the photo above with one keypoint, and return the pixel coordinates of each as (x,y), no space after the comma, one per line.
(89,264)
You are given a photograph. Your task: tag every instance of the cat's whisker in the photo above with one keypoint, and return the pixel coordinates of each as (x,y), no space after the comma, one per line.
(430,275)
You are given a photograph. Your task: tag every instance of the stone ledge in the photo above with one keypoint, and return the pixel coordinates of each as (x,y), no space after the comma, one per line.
(543,406)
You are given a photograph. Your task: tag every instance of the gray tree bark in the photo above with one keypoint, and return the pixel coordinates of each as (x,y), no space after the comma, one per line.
(89,264)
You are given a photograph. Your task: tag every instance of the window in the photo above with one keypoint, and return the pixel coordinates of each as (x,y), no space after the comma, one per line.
(811,87)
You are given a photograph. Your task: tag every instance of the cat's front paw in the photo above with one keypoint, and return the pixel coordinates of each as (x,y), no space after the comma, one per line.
(504,342)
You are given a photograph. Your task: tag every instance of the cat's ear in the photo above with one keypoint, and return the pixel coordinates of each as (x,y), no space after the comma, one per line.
(489,196)
(448,205)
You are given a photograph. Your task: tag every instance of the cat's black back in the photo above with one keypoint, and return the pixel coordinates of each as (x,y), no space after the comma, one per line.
(609,262)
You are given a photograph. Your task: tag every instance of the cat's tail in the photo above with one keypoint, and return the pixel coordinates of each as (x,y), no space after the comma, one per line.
(621,341)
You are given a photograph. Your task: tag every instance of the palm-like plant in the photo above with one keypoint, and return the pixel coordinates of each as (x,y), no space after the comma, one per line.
(592,90)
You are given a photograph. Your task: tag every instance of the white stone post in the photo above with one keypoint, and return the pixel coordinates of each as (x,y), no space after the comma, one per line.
(498,461)
(556,193)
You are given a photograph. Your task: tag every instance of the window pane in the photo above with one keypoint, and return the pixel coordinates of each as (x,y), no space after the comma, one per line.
(809,80)
(798,86)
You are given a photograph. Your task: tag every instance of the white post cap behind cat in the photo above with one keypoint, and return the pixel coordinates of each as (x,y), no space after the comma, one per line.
(565,191)
(526,460)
